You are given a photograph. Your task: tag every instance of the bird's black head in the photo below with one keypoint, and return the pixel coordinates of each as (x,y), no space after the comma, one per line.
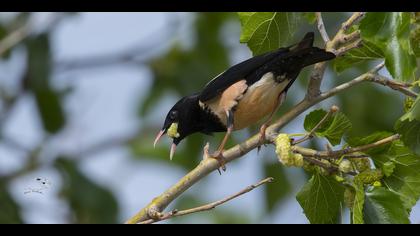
(180,121)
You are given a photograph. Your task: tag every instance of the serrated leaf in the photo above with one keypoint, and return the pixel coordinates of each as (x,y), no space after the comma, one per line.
(405,179)
(90,203)
(409,125)
(369,51)
(266,31)
(321,199)
(384,207)
(333,128)
(390,32)
(410,134)
(388,168)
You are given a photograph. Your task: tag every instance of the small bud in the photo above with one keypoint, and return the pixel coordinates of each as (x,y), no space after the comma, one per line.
(339,178)
(362,164)
(377,184)
(334,109)
(369,176)
(298,160)
(345,166)
(283,147)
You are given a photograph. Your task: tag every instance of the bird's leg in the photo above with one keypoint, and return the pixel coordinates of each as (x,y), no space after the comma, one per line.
(218,155)
(264,126)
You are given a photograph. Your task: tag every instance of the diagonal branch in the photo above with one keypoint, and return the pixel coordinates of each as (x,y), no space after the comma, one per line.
(207,207)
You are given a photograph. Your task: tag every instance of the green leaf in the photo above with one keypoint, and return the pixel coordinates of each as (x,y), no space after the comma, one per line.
(369,51)
(321,199)
(38,81)
(405,179)
(408,126)
(266,31)
(310,17)
(383,206)
(388,168)
(415,33)
(333,128)
(414,112)
(89,202)
(390,32)
(359,200)
(410,133)
(10,210)
(276,192)
(50,109)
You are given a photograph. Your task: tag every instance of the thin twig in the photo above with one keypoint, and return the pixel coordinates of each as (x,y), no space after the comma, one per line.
(206,207)
(310,135)
(353,45)
(337,154)
(14,38)
(395,85)
(321,27)
(350,37)
(20,34)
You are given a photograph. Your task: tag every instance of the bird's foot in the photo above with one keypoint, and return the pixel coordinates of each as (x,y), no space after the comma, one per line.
(218,155)
(262,137)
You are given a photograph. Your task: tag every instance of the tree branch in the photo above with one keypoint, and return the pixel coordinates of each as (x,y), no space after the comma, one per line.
(18,35)
(314,87)
(395,85)
(321,27)
(206,207)
(337,154)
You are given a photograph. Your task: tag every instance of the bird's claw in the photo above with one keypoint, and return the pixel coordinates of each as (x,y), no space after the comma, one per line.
(218,155)
(262,137)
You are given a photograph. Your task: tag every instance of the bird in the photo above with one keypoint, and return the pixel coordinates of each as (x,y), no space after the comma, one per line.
(241,96)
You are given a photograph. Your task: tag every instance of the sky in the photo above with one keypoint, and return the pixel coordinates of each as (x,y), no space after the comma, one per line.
(114,99)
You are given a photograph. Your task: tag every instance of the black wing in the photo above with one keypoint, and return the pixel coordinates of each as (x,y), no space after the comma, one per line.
(236,73)
(240,71)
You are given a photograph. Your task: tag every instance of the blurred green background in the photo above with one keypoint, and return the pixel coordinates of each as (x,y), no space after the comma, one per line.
(84,94)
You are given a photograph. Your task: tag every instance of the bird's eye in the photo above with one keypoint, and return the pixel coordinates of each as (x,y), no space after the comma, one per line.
(173,115)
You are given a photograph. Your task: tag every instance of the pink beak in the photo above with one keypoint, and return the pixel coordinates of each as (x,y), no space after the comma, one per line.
(173,146)
(158,136)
